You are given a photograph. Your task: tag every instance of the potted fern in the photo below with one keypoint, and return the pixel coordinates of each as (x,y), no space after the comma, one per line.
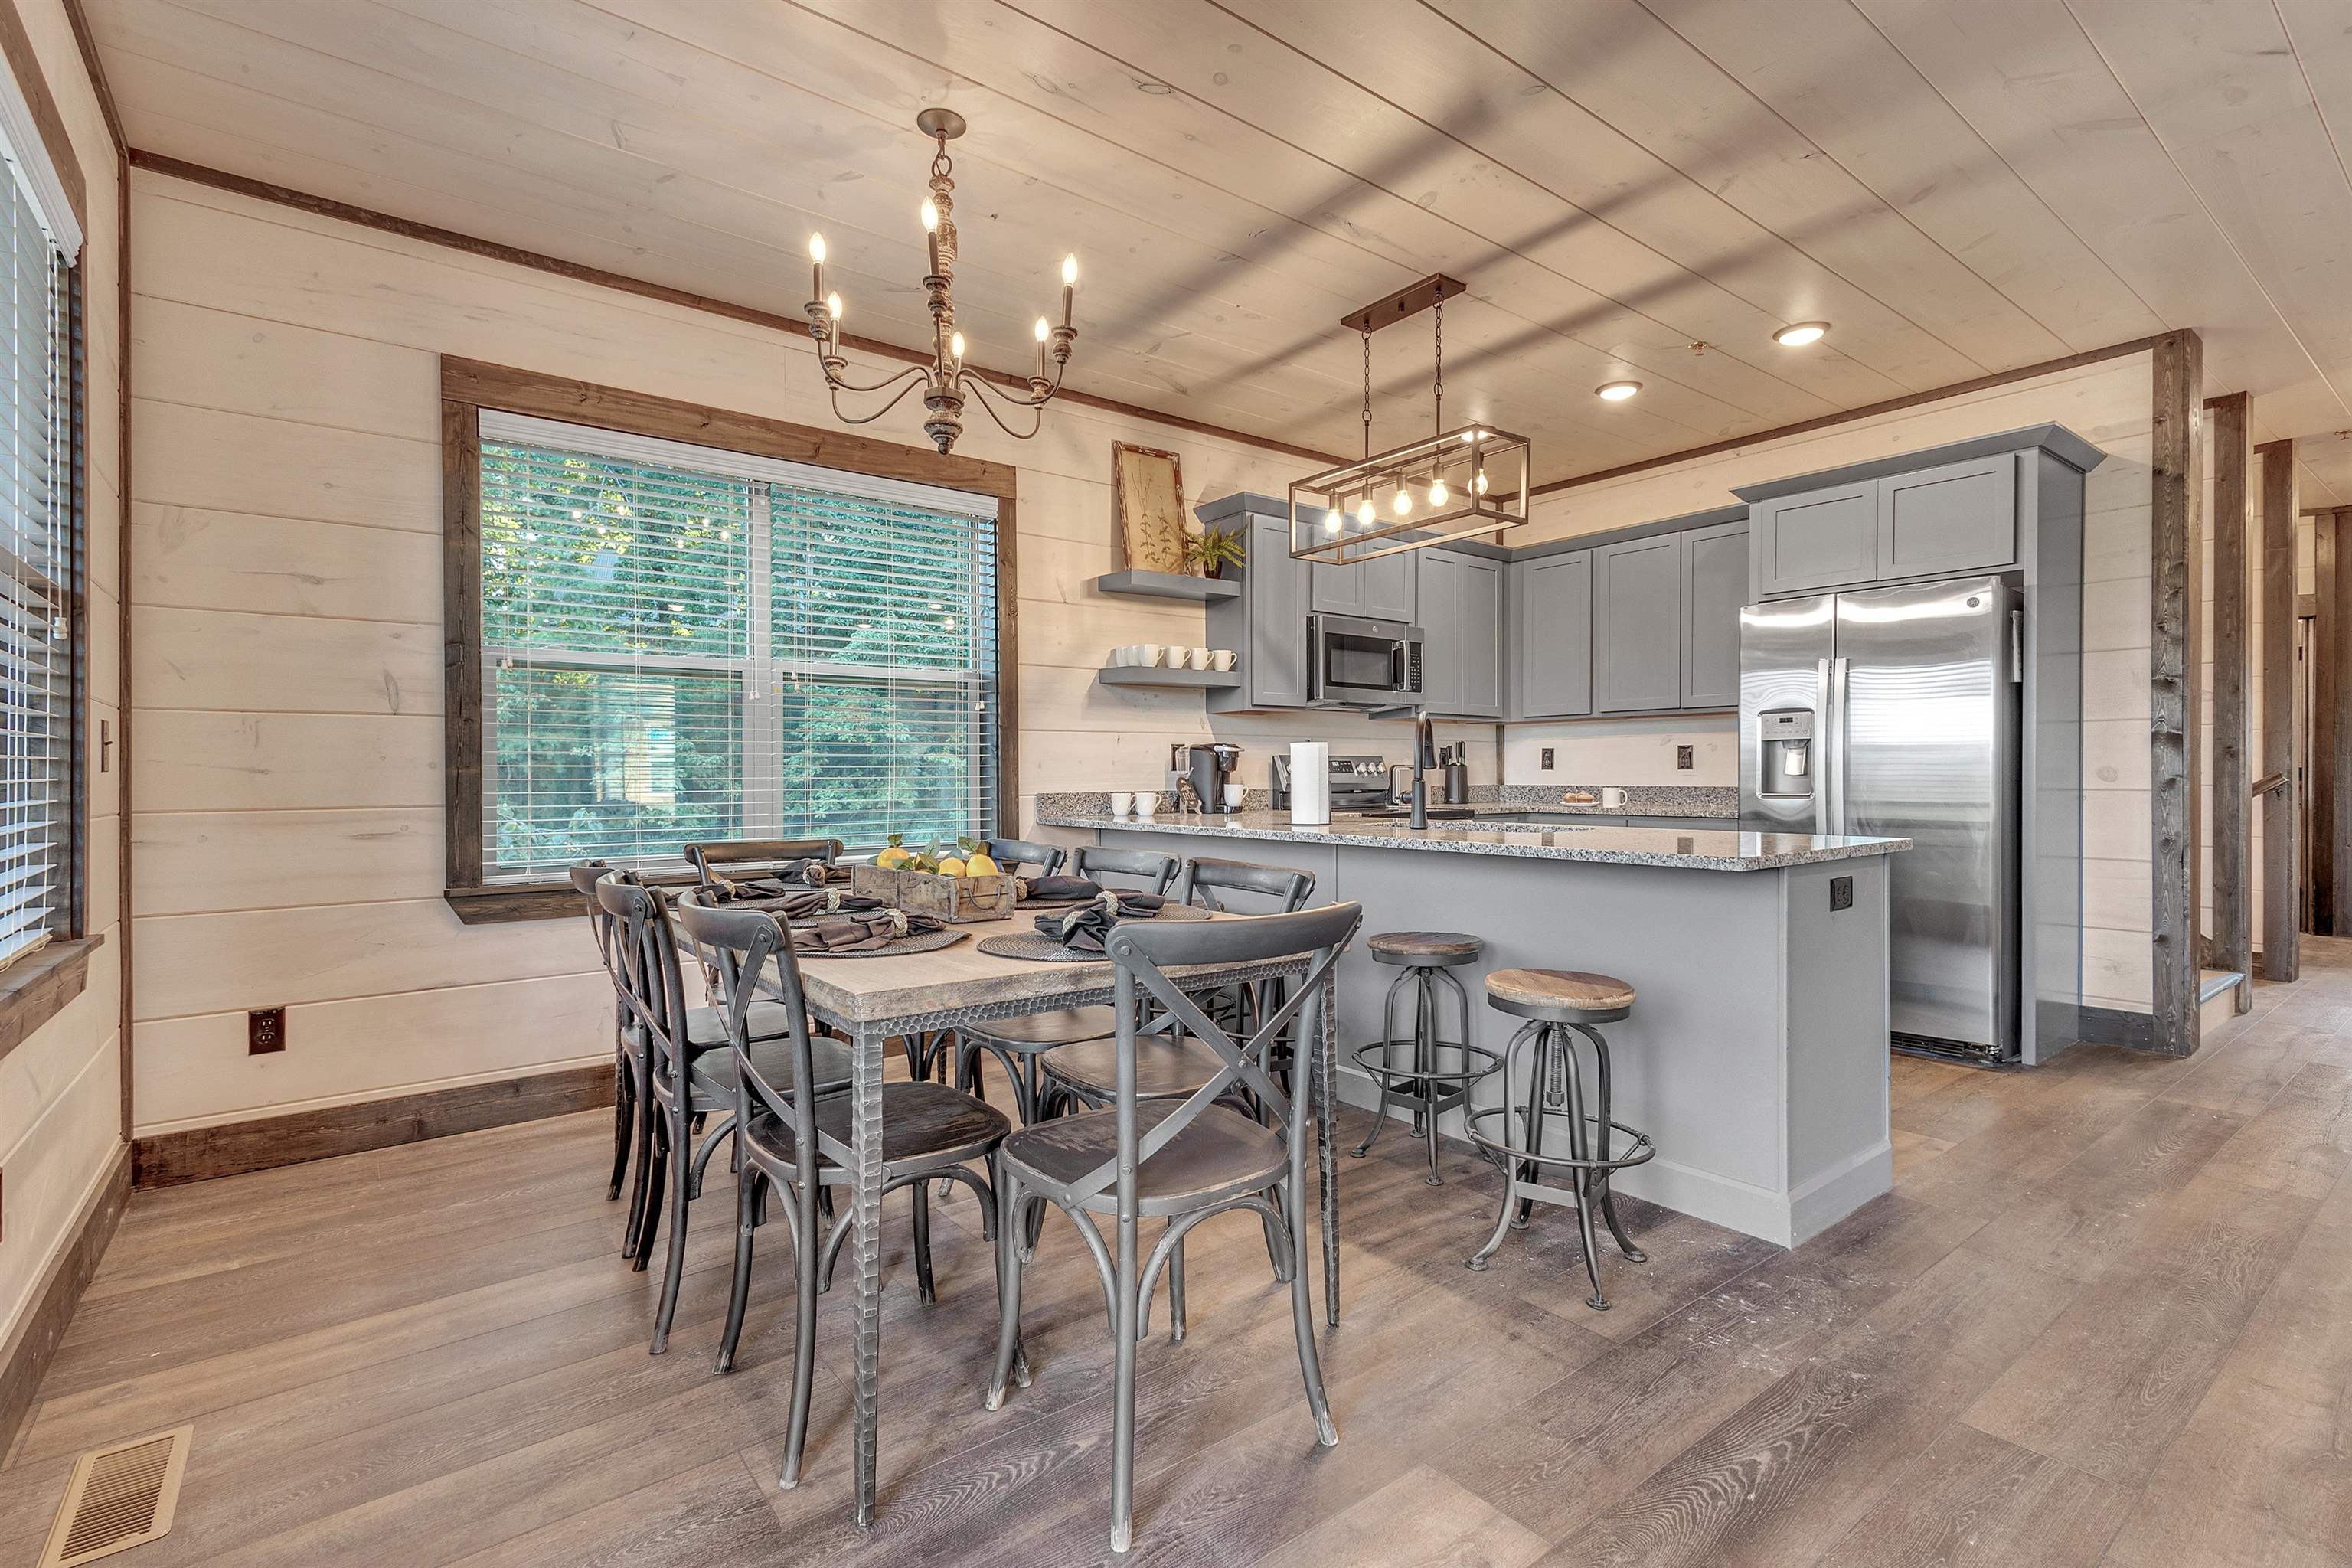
(1217,551)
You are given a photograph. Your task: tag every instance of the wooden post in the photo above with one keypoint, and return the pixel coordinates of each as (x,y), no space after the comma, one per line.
(2233,807)
(2176,496)
(2281,938)
(2340,727)
(2320,782)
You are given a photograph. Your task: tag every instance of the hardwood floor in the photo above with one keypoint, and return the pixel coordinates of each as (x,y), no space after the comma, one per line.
(2105,1317)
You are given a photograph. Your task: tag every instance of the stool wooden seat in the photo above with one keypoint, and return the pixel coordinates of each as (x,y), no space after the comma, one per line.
(1433,948)
(1566,994)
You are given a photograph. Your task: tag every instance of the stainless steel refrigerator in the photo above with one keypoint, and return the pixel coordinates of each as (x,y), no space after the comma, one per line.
(1895,711)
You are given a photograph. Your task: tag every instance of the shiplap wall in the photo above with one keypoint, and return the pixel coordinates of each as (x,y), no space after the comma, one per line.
(60,1092)
(286,604)
(2108,405)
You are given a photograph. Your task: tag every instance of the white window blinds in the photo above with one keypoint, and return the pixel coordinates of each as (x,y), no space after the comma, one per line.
(680,643)
(38,568)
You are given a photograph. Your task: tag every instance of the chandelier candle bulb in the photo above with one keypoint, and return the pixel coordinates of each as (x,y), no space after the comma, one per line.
(1042,331)
(816,266)
(1069,284)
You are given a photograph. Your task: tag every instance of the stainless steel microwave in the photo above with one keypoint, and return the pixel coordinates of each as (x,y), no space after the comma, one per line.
(1352,662)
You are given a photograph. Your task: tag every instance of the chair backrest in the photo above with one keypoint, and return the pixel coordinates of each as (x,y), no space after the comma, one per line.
(653,988)
(1205,879)
(600,923)
(709,859)
(1156,870)
(1142,953)
(1014,853)
(748,945)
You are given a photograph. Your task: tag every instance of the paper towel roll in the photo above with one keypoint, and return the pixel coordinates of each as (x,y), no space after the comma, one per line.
(1310,782)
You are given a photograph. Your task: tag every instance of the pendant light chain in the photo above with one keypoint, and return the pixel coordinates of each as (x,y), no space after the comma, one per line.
(1367,392)
(1438,387)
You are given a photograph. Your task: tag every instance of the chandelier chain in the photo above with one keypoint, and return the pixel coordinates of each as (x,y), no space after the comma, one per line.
(1367,392)
(1438,386)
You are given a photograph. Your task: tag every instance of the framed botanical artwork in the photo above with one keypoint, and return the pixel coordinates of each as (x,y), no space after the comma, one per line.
(1147,490)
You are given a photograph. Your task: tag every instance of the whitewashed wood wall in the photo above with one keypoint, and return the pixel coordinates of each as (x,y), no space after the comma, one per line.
(2108,405)
(286,603)
(61,1090)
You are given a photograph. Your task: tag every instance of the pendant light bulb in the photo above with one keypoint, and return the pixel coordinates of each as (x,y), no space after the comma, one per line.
(1333,518)
(1481,485)
(1366,513)
(1438,492)
(1403,502)
(930,214)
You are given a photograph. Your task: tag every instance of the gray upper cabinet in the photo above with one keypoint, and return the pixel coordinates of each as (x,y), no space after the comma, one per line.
(1715,586)
(1822,539)
(1958,517)
(1266,626)
(1551,619)
(1380,589)
(1459,603)
(1637,625)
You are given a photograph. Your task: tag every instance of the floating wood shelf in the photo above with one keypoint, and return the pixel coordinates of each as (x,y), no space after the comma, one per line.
(1165,585)
(1151,675)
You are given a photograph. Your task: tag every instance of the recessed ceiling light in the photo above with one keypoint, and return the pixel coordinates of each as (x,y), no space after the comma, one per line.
(1802,334)
(1616,391)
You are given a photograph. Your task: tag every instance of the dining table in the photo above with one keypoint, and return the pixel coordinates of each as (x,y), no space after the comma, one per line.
(870,1000)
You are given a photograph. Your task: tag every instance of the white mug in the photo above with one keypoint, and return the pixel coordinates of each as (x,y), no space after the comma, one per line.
(1146,802)
(1611,798)
(1120,802)
(1119,656)
(1223,658)
(1180,658)
(1149,654)
(1199,659)
(1234,795)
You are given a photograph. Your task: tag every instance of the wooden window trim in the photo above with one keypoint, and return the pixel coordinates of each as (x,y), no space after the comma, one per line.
(39,987)
(468,386)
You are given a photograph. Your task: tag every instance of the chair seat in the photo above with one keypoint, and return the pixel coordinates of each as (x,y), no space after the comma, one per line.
(1036,1031)
(1565,991)
(773,1060)
(1220,1154)
(1163,1068)
(922,1124)
(1409,947)
(706,1028)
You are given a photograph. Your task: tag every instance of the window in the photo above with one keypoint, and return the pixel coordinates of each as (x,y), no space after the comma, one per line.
(39,573)
(681,642)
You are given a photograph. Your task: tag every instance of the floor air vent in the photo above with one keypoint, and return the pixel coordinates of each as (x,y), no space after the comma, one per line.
(119,1497)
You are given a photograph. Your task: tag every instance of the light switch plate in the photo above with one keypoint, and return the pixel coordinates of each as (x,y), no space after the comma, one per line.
(1685,758)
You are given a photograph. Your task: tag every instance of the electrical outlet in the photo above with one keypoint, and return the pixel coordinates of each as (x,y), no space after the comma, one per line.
(1546,759)
(1685,758)
(1840,892)
(265,1031)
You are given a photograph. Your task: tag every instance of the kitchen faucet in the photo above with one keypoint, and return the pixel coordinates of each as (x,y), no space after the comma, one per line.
(1424,756)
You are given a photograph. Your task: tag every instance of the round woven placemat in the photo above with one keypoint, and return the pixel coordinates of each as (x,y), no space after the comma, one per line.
(923,941)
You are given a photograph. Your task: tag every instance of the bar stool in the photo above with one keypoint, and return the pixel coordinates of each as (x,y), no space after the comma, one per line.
(1557,1002)
(1425,958)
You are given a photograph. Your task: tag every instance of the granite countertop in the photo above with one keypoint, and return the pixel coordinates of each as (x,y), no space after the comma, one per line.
(1727,850)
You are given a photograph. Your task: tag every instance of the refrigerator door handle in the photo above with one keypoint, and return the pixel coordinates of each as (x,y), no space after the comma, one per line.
(1833,715)
(1825,754)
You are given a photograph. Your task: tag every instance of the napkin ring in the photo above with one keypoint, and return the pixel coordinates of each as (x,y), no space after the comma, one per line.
(898,924)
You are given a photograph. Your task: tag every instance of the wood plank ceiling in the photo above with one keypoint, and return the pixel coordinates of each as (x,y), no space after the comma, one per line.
(1632,190)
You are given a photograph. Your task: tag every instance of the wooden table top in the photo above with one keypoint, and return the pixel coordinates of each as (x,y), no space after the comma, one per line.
(951,979)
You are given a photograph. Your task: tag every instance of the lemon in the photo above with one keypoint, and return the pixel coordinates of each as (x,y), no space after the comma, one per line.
(980,865)
(951,867)
(890,860)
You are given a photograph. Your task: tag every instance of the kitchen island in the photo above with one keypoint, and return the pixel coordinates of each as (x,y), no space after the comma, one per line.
(1757,1054)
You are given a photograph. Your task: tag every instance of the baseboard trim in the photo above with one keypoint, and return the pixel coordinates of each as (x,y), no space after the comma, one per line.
(34,1344)
(201,1154)
(2114,1027)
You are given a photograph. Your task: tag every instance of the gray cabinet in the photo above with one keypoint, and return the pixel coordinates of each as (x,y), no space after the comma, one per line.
(1266,625)
(1822,539)
(1550,619)
(1637,625)
(1378,589)
(1715,586)
(1459,603)
(1956,517)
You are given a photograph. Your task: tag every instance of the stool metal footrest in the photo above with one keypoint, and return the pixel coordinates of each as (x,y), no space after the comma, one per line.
(1507,1152)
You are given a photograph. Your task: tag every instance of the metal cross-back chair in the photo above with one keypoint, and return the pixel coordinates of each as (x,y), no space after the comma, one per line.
(690,1070)
(1211,883)
(1184,1160)
(1011,854)
(629,1123)
(1018,1042)
(710,859)
(801,1141)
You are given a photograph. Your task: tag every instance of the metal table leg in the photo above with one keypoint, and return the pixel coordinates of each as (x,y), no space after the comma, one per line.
(1326,1157)
(865,1251)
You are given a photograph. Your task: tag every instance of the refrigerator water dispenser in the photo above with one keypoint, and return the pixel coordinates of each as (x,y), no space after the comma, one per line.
(1788,752)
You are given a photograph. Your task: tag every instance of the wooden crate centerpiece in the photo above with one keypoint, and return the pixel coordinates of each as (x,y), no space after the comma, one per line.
(931,883)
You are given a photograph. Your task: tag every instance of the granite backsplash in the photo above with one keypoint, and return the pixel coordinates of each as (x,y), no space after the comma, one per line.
(1640,800)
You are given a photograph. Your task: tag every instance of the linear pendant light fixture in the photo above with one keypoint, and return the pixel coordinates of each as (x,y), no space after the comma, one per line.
(944,381)
(1450,485)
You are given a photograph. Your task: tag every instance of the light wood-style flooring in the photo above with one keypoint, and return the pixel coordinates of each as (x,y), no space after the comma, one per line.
(2106,1318)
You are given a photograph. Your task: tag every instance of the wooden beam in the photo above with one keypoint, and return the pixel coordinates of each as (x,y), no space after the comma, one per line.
(2176,497)
(2319,769)
(2282,936)
(2233,809)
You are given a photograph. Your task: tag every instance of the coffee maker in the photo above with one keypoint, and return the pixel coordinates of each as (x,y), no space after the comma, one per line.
(1208,769)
